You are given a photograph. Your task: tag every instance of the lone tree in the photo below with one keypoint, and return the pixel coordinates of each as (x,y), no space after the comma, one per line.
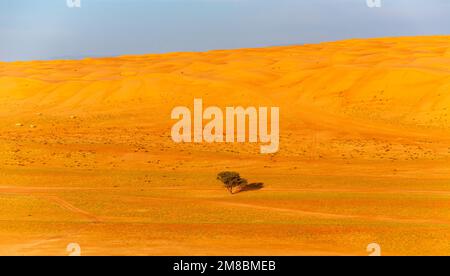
(231,180)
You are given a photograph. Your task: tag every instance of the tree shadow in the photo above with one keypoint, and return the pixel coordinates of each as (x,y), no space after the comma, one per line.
(251,187)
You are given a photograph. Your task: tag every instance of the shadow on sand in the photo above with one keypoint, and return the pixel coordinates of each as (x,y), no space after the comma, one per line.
(251,187)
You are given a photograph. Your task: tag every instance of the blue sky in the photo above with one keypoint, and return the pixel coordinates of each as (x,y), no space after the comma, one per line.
(48,29)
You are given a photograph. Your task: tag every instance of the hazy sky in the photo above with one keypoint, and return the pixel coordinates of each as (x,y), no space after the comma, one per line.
(47,29)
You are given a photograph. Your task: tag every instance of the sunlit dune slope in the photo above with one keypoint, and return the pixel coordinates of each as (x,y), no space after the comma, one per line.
(398,80)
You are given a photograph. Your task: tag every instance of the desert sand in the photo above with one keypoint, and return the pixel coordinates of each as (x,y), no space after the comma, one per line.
(86,155)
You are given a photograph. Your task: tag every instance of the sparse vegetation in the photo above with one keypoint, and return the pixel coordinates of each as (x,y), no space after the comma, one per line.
(232,180)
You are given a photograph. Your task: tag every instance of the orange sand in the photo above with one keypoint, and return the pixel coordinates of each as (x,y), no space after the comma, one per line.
(364,153)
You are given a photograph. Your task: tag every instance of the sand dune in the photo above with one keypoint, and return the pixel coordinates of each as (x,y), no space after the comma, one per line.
(86,153)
